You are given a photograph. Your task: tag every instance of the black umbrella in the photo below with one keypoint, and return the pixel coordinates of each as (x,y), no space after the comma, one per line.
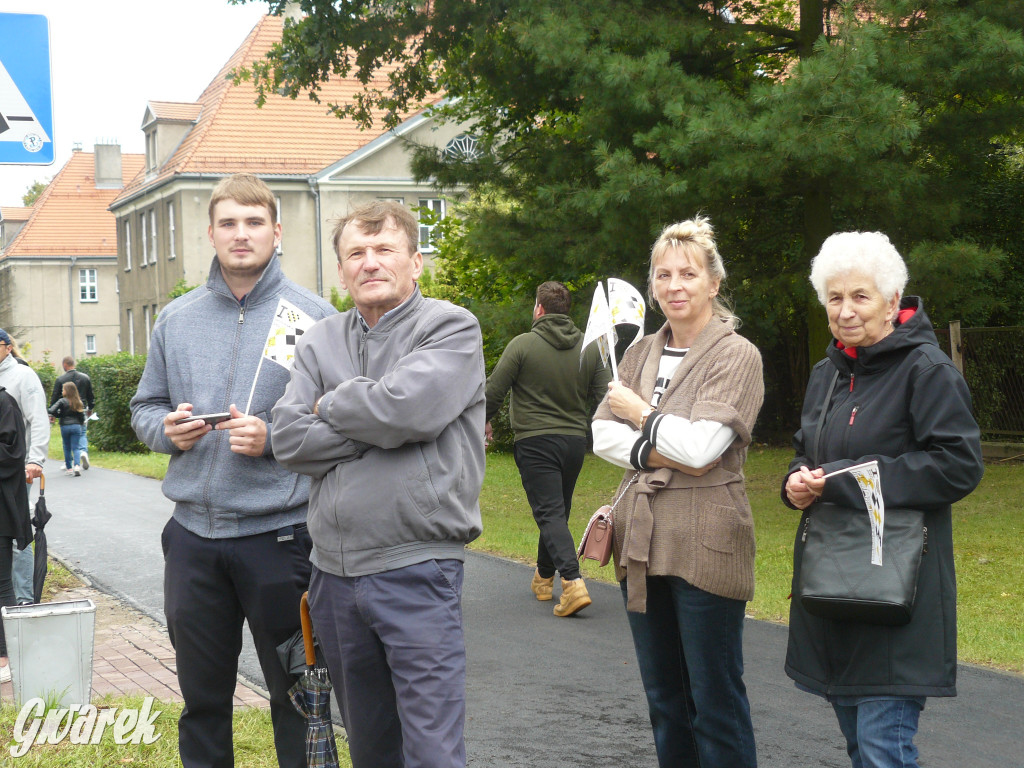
(40,518)
(311,695)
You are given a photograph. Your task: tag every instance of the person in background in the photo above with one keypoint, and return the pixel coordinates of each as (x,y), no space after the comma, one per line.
(680,423)
(236,548)
(15,527)
(385,411)
(552,390)
(893,396)
(84,385)
(24,386)
(69,411)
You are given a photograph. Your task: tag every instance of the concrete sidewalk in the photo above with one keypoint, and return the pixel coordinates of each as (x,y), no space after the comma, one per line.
(132,654)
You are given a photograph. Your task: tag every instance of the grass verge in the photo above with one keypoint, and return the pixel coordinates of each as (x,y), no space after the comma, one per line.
(253,739)
(145,464)
(987,525)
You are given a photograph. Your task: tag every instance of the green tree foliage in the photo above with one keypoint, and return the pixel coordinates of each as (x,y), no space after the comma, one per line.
(600,122)
(33,192)
(45,370)
(180,288)
(114,381)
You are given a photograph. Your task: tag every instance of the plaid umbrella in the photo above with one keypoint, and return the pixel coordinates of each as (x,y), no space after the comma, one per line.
(311,695)
(40,518)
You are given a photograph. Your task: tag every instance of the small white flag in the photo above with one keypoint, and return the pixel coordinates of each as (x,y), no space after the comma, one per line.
(599,325)
(870,481)
(288,325)
(627,306)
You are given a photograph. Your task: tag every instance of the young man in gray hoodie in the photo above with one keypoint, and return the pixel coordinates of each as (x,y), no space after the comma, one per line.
(385,411)
(236,547)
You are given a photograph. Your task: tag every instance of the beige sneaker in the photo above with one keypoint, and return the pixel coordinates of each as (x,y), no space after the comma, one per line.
(542,587)
(574,598)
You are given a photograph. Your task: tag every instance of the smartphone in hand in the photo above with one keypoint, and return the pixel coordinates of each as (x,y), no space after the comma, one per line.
(209,418)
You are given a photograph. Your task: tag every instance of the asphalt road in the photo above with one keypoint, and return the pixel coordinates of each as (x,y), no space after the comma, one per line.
(545,692)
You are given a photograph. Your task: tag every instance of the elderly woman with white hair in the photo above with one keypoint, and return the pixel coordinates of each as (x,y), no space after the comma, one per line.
(884,392)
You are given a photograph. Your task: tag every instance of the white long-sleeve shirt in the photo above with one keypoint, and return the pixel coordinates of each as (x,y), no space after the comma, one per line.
(693,444)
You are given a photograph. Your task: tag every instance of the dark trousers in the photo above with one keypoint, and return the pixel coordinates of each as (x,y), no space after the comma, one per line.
(397,657)
(549,466)
(210,587)
(689,647)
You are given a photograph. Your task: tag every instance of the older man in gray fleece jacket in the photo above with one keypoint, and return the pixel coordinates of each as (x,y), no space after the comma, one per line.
(385,411)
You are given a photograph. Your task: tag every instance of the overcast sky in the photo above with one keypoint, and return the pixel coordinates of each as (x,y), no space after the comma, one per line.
(109,58)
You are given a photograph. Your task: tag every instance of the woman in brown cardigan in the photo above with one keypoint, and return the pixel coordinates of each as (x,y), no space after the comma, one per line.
(680,422)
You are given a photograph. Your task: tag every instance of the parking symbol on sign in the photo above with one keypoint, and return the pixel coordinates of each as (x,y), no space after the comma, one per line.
(26,105)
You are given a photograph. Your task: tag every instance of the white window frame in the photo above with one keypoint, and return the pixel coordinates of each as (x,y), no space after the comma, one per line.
(437,205)
(128,245)
(145,241)
(148,313)
(170,231)
(131,330)
(90,343)
(88,286)
(152,236)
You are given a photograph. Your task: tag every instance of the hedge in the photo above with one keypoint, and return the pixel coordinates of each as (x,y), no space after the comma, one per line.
(114,381)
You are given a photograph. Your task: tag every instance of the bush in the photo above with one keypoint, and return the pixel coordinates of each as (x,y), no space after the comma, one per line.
(47,374)
(114,381)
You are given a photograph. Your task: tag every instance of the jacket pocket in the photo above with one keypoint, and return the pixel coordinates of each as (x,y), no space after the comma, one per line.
(419,485)
(718,528)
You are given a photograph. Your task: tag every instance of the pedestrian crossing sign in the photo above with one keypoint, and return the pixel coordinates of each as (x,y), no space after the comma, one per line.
(26,101)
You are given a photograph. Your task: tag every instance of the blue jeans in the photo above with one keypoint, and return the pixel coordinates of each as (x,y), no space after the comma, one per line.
(396,653)
(72,436)
(879,730)
(689,647)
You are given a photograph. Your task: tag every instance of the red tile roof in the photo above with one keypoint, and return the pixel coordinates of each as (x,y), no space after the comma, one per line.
(71,217)
(15,213)
(175,110)
(285,136)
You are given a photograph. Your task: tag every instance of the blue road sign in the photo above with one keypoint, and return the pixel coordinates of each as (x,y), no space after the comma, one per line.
(26,101)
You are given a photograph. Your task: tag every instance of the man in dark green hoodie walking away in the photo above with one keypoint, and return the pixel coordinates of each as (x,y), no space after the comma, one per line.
(552,395)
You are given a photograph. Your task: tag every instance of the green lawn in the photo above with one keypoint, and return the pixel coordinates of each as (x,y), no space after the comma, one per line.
(988,531)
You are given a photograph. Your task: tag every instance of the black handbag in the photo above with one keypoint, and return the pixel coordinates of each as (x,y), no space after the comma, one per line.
(837,579)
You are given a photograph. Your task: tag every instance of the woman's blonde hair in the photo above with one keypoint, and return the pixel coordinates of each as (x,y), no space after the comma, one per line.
(70,391)
(695,236)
